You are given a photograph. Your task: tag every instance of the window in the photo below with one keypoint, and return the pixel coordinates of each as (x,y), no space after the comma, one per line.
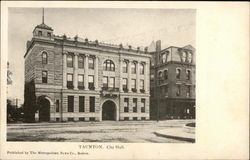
(125,84)
(184,56)
(152,62)
(143,105)
(178,73)
(49,34)
(152,76)
(91,82)
(126,118)
(133,85)
(112,82)
(135,118)
(70,103)
(69,60)
(70,119)
(178,92)
(105,81)
(80,62)
(189,59)
(91,63)
(165,74)
(70,81)
(44,77)
(126,104)
(80,82)
(39,33)
(160,75)
(125,67)
(188,91)
(109,65)
(57,105)
(92,104)
(134,104)
(166,91)
(141,69)
(188,74)
(81,104)
(164,57)
(133,68)
(141,85)
(82,119)
(44,58)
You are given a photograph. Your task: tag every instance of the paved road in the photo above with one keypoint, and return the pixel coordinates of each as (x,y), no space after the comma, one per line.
(106,131)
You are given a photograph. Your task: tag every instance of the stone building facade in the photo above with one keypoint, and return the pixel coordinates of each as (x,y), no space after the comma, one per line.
(80,80)
(172,82)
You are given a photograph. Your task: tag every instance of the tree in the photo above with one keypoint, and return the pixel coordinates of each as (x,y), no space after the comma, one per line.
(9,73)
(30,106)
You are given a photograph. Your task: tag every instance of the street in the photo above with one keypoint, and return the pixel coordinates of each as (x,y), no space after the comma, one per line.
(106,131)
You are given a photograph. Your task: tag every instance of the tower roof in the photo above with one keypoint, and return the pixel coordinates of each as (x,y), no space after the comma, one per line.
(44,26)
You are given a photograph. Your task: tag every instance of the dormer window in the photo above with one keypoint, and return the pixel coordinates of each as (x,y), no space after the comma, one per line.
(49,34)
(39,33)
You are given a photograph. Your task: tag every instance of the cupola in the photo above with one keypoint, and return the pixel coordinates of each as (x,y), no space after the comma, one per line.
(42,30)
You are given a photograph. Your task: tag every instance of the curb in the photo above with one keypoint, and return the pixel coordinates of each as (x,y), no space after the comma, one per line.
(176,137)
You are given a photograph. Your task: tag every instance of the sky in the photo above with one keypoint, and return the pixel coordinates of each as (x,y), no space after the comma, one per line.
(136,27)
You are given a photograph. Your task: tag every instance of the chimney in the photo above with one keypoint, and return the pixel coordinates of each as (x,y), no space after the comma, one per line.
(158,46)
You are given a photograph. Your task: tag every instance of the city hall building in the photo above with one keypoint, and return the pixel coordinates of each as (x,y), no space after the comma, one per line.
(172,82)
(80,80)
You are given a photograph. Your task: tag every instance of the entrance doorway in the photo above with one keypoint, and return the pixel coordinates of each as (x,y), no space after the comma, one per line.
(108,110)
(44,110)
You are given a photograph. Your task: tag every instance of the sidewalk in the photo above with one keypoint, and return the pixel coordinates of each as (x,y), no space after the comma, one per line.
(178,134)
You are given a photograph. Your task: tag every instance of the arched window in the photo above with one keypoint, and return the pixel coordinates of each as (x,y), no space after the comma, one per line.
(178,73)
(125,67)
(44,58)
(160,75)
(69,60)
(80,62)
(109,65)
(165,74)
(141,69)
(133,68)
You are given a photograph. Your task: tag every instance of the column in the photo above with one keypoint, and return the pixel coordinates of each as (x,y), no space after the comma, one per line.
(121,89)
(96,73)
(129,76)
(86,72)
(75,71)
(137,77)
(64,70)
(146,77)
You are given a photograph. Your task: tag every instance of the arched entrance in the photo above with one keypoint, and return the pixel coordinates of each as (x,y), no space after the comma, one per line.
(109,110)
(44,110)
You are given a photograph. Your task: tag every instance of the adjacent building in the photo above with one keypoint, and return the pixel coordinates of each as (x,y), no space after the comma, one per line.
(76,79)
(172,82)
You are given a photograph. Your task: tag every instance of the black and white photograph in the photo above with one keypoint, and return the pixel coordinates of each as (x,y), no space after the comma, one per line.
(101,75)
(124,80)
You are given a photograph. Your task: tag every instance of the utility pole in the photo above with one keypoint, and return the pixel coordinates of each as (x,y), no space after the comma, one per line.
(157,60)
(156,93)
(16,103)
